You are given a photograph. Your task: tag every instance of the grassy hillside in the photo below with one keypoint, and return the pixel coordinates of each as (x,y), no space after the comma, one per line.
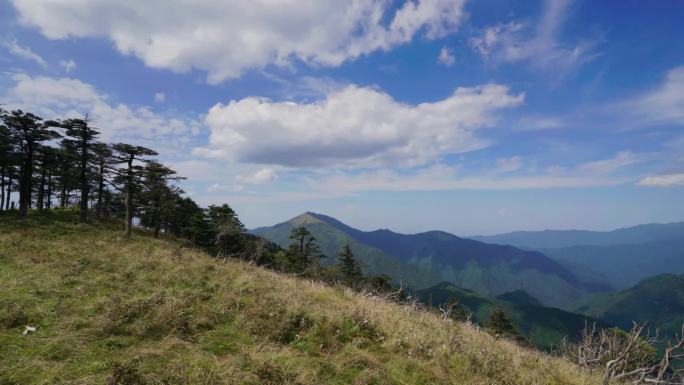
(544,327)
(426,259)
(151,311)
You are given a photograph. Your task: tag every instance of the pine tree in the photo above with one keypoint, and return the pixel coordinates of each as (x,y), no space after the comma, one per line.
(7,163)
(227,227)
(129,154)
(350,268)
(158,194)
(304,252)
(83,136)
(499,325)
(28,130)
(102,159)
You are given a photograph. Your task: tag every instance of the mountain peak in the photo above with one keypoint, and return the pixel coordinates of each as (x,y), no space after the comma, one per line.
(308,218)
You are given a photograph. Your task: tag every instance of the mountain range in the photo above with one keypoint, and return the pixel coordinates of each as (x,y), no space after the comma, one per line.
(620,257)
(429,258)
(551,239)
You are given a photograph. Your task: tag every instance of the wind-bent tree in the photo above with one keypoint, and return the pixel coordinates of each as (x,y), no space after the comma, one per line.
(82,135)
(350,268)
(29,131)
(129,154)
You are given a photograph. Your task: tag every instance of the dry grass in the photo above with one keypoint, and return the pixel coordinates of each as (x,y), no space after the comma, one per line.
(153,312)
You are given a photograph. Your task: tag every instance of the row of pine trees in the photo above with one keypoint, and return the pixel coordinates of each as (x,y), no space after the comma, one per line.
(53,164)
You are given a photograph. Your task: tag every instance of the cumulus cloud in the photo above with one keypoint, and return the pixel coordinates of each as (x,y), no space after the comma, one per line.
(67,65)
(66,97)
(354,126)
(160,97)
(225,38)
(667,180)
(446,58)
(23,52)
(538,44)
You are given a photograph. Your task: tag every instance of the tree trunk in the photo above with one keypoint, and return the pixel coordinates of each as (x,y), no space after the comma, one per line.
(25,188)
(48,198)
(85,186)
(62,193)
(9,191)
(157,219)
(41,189)
(100,190)
(129,198)
(2,188)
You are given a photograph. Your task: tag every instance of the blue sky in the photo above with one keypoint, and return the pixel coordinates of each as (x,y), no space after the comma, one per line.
(474,117)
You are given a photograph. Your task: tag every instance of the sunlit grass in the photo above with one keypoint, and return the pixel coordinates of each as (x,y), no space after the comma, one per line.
(149,311)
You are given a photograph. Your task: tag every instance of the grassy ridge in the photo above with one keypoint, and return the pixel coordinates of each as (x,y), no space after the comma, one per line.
(151,311)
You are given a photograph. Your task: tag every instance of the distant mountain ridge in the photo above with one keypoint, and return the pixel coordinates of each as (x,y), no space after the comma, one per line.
(624,265)
(548,239)
(621,257)
(440,256)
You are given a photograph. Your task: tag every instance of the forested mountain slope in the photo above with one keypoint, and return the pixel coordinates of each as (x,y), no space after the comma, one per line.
(542,326)
(658,300)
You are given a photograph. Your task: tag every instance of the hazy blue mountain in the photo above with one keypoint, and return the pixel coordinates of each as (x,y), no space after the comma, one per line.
(564,238)
(545,327)
(622,265)
(440,256)
(658,300)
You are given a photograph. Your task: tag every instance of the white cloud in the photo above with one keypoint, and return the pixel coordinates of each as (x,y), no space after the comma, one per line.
(445,57)
(160,97)
(225,38)
(67,65)
(667,180)
(55,98)
(443,177)
(516,41)
(265,175)
(606,166)
(23,52)
(354,126)
(663,105)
